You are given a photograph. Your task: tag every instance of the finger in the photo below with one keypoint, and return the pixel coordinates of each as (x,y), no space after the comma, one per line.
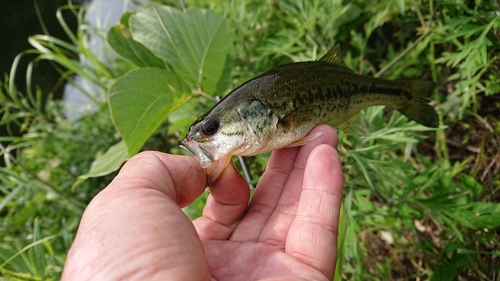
(316,220)
(179,177)
(134,229)
(283,160)
(285,278)
(265,197)
(225,206)
(277,227)
(273,187)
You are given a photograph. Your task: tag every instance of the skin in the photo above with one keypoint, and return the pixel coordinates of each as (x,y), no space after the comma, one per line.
(135,230)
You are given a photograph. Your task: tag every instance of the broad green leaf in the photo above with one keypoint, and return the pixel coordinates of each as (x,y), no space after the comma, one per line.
(124,20)
(119,40)
(446,271)
(463,258)
(197,43)
(106,163)
(141,99)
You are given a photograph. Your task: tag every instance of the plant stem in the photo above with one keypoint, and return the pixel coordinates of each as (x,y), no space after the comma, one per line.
(205,95)
(425,26)
(402,54)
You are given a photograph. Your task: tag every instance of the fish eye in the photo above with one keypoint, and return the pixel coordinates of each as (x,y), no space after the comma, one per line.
(209,127)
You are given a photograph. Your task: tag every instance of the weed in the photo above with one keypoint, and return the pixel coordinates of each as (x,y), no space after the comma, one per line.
(418,203)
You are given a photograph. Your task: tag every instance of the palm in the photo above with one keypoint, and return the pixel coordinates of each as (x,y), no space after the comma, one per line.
(277,233)
(254,261)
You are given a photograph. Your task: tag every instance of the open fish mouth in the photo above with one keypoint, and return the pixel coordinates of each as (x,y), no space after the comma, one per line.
(210,162)
(197,151)
(185,147)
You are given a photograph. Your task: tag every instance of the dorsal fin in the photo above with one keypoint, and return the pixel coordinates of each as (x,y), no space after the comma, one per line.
(334,56)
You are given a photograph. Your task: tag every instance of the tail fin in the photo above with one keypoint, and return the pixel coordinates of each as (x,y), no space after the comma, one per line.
(417,108)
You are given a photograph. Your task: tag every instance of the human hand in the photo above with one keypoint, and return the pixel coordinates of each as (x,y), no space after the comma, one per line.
(135,230)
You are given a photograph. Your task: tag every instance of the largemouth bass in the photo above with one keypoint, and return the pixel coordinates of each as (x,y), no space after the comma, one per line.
(278,108)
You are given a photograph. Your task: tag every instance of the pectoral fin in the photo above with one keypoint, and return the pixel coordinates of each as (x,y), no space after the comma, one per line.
(305,139)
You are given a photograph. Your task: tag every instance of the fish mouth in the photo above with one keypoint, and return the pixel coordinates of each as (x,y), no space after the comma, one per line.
(194,148)
(213,164)
(181,144)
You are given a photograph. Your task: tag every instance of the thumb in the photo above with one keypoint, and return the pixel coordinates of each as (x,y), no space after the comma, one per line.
(135,230)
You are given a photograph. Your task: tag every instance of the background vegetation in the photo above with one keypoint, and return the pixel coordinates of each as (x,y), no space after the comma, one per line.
(418,204)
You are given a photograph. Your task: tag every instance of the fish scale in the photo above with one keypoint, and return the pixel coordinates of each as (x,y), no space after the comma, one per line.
(278,108)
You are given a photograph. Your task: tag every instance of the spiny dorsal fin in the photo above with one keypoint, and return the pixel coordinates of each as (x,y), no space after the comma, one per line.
(334,56)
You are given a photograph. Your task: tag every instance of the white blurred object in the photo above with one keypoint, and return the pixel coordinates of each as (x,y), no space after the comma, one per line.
(100,15)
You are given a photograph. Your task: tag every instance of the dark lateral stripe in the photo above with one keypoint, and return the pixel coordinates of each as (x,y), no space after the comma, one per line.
(336,93)
(385,90)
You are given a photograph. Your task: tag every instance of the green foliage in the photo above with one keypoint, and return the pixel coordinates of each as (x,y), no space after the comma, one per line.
(415,205)
(141,99)
(44,154)
(475,40)
(119,39)
(49,48)
(196,43)
(192,51)
(40,212)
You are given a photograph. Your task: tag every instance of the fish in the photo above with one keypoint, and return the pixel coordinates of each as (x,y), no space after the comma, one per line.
(279,107)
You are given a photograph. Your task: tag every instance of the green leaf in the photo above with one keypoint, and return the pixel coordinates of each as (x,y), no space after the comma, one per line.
(342,231)
(476,188)
(482,215)
(106,163)
(123,45)
(492,85)
(197,43)
(447,271)
(9,196)
(451,224)
(141,99)
(464,259)
(124,20)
